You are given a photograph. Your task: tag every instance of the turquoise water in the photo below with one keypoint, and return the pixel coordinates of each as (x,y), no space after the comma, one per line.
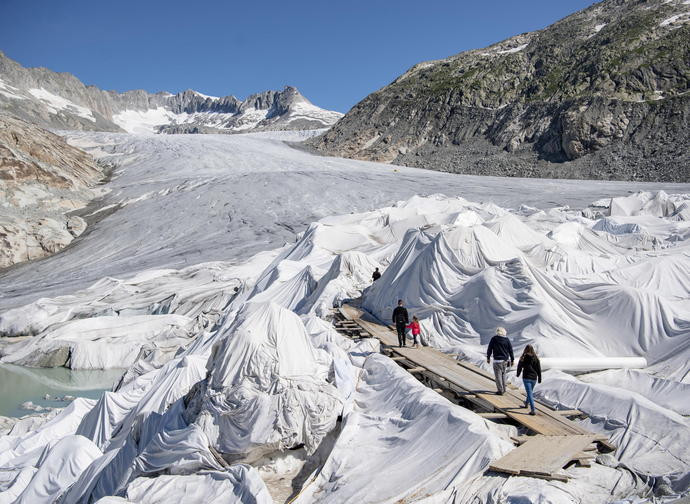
(19,384)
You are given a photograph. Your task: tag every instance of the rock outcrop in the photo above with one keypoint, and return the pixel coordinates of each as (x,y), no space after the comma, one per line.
(42,180)
(61,101)
(603,93)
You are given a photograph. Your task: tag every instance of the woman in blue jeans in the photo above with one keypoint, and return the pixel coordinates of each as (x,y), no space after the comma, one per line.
(530,368)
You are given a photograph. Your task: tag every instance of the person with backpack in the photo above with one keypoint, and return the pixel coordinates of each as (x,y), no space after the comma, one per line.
(502,352)
(416,330)
(530,368)
(376,275)
(400,319)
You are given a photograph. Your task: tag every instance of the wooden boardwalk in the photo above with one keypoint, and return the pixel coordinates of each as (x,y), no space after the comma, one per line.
(478,387)
(544,456)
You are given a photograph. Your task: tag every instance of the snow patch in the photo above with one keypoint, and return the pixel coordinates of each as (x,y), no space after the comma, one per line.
(304,110)
(57,103)
(143,122)
(206,96)
(10,91)
(250,118)
(678,19)
(513,50)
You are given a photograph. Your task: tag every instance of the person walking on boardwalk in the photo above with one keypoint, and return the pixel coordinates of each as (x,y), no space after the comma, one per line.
(376,275)
(400,319)
(416,330)
(502,351)
(530,368)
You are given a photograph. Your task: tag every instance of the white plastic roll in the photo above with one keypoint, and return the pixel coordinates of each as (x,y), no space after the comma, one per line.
(592,363)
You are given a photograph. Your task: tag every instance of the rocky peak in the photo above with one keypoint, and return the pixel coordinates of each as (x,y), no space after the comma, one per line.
(602,93)
(190,101)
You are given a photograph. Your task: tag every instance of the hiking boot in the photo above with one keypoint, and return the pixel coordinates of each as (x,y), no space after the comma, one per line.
(532,412)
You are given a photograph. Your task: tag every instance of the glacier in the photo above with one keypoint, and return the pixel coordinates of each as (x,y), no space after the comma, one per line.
(209,270)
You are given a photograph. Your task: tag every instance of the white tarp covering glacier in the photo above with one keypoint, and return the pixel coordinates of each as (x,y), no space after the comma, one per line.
(407,434)
(237,381)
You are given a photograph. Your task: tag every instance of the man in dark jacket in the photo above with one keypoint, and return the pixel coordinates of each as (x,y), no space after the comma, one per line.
(400,319)
(502,351)
(376,275)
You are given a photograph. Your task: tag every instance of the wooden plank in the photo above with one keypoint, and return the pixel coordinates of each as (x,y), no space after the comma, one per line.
(605,446)
(350,312)
(550,477)
(506,470)
(584,459)
(518,440)
(417,369)
(475,369)
(493,416)
(398,358)
(542,455)
(462,393)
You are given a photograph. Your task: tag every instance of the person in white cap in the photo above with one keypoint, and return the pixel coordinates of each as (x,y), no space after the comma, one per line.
(502,352)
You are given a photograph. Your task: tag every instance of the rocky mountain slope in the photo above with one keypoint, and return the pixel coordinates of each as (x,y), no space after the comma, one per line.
(42,180)
(600,94)
(60,100)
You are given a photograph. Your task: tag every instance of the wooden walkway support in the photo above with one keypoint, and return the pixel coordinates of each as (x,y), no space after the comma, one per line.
(475,385)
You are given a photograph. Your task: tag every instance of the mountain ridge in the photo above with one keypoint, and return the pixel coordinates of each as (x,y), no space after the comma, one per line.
(602,93)
(59,100)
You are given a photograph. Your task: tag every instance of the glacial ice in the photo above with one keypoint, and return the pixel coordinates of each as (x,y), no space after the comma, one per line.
(234,362)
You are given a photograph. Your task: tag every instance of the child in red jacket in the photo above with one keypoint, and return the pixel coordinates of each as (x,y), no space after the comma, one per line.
(415,330)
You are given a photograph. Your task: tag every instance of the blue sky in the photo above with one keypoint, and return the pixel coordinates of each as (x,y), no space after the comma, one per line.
(335,52)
